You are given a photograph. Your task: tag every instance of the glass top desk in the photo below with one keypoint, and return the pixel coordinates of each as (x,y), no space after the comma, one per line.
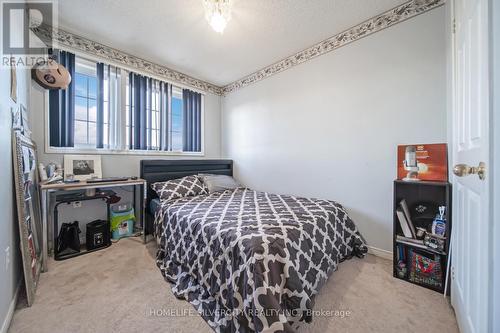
(48,192)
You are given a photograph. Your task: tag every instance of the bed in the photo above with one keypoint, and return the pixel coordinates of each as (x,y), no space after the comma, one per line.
(248,261)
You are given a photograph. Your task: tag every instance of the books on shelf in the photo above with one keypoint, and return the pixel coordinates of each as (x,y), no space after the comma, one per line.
(406,211)
(404,223)
(403,214)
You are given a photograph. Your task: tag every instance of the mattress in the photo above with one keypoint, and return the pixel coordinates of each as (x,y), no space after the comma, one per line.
(253,261)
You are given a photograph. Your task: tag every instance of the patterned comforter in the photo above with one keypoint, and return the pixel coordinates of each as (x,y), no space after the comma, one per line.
(252,261)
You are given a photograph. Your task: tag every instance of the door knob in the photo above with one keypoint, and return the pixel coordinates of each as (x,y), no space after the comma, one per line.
(462,170)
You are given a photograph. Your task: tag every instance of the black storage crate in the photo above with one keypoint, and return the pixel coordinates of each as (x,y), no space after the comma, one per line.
(97,235)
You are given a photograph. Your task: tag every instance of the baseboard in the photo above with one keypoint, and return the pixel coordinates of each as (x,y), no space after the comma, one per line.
(10,313)
(380,253)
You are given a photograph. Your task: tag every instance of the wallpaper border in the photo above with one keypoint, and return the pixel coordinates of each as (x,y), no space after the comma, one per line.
(60,38)
(387,19)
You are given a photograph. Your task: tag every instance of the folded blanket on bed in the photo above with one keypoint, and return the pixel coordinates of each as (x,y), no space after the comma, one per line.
(253,261)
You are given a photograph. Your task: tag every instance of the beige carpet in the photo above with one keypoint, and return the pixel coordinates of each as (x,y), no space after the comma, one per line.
(121,290)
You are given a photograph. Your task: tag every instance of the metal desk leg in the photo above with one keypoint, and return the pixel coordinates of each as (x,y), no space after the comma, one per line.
(45,229)
(143,210)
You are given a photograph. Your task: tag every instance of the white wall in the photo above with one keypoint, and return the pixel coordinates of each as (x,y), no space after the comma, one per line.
(329,128)
(11,275)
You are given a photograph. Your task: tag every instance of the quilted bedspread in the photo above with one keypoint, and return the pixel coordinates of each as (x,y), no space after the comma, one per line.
(252,261)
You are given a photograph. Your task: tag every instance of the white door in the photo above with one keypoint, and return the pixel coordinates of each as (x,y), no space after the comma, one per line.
(470,147)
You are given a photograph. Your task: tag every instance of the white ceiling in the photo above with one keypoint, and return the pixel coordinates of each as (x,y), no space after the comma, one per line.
(174,33)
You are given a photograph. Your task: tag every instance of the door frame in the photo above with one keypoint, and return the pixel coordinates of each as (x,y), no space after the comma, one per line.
(495,162)
(493,170)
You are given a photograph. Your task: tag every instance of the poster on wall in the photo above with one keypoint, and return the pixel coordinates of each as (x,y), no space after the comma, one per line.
(423,162)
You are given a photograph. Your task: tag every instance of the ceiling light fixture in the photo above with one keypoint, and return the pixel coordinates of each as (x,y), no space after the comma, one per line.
(218,13)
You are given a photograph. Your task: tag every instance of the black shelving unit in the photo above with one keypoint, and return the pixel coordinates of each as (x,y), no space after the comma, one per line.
(415,193)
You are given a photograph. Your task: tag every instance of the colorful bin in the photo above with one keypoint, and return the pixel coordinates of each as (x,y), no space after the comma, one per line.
(122,223)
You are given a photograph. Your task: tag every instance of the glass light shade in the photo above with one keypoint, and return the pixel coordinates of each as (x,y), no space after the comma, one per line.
(217,13)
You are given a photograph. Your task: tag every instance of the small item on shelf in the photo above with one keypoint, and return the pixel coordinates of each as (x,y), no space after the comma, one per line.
(425,270)
(90,192)
(51,169)
(59,170)
(401,269)
(438,227)
(42,171)
(430,242)
(439,223)
(54,179)
(407,240)
(424,211)
(410,164)
(113,199)
(121,207)
(406,211)
(423,162)
(421,233)
(434,242)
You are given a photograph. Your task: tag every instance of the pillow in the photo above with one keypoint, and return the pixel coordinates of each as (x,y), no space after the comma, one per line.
(179,188)
(218,182)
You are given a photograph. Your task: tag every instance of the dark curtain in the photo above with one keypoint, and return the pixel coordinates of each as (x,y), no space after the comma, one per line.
(100,106)
(141,102)
(149,98)
(191,120)
(62,106)
(138,114)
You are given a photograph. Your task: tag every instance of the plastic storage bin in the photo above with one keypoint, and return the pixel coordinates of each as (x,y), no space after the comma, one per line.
(122,223)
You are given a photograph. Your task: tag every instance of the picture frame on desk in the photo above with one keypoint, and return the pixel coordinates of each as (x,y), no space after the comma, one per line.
(82,167)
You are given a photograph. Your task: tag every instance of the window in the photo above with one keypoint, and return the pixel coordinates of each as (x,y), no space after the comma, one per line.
(176,124)
(111,106)
(85,103)
(128,106)
(153,116)
(118,110)
(150,96)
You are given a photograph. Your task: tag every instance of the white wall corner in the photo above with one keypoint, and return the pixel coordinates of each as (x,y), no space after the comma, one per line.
(10,313)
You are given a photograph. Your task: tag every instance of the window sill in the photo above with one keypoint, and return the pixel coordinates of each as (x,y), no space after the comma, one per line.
(84,151)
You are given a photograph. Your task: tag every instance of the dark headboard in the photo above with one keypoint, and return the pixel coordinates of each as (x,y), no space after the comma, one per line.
(161,170)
